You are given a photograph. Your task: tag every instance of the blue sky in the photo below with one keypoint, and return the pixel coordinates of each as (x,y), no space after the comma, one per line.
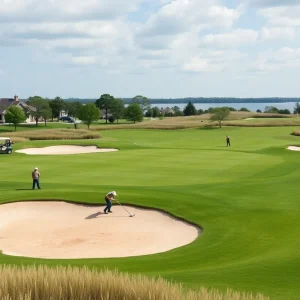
(157,48)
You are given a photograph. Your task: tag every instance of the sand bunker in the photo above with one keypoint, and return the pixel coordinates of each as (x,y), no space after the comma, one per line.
(294,148)
(63,230)
(65,150)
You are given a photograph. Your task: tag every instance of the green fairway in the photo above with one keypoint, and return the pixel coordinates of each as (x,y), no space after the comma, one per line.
(246,197)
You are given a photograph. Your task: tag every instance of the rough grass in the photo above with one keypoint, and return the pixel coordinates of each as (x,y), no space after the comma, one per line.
(53,134)
(272,122)
(44,283)
(235,119)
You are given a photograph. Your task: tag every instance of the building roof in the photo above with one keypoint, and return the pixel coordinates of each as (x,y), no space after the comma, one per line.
(5,103)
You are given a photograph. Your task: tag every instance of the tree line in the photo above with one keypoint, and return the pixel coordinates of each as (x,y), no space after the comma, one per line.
(114,109)
(44,109)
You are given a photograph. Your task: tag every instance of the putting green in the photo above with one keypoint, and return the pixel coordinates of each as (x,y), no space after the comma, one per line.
(246,198)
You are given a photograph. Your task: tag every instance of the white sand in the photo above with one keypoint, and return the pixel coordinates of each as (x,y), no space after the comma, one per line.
(63,150)
(294,148)
(63,230)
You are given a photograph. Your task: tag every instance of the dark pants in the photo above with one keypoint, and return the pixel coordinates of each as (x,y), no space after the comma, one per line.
(228,143)
(108,205)
(36,182)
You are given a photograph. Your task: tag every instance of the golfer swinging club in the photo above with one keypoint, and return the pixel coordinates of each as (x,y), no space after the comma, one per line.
(108,198)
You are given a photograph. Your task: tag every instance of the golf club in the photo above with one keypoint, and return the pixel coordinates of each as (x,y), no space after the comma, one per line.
(130,215)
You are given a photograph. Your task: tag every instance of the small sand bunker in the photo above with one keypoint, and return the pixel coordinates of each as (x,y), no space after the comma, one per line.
(294,148)
(63,230)
(65,150)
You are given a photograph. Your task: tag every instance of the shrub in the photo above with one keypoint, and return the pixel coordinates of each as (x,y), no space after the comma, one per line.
(59,283)
(111,119)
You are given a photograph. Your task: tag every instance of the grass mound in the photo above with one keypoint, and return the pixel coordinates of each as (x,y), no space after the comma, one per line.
(54,134)
(44,283)
(296,132)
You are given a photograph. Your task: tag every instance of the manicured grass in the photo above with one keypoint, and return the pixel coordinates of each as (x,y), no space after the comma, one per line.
(56,125)
(246,198)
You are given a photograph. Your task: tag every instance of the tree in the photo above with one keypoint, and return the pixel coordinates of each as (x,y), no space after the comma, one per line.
(143,101)
(245,109)
(40,106)
(15,115)
(271,109)
(258,111)
(220,114)
(297,108)
(134,113)
(46,113)
(89,113)
(156,112)
(118,109)
(148,113)
(190,109)
(56,105)
(73,108)
(111,119)
(284,111)
(106,103)
(200,111)
(178,113)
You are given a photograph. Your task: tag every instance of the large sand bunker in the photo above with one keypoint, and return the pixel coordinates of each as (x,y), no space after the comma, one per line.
(64,230)
(62,150)
(294,148)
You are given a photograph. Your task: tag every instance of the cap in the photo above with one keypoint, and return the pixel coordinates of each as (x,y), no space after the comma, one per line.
(36,168)
(114,193)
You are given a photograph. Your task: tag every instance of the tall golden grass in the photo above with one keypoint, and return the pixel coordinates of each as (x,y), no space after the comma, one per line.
(235,119)
(59,283)
(54,134)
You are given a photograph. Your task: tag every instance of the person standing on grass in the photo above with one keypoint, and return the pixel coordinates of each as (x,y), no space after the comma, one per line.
(36,178)
(228,141)
(108,198)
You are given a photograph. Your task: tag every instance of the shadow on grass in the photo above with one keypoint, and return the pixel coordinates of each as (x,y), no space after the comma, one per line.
(23,189)
(208,127)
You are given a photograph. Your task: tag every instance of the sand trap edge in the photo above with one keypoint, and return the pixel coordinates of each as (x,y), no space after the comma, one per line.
(199,228)
(72,145)
(293,148)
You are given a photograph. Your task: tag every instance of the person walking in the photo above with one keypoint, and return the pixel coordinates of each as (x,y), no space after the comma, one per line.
(36,178)
(108,198)
(228,141)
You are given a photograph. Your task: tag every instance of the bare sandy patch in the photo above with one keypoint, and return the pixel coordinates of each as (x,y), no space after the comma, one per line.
(64,230)
(65,150)
(294,148)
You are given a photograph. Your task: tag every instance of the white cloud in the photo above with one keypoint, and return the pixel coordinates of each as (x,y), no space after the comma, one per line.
(45,10)
(282,16)
(232,39)
(214,61)
(85,60)
(180,16)
(281,59)
(197,64)
(272,3)
(278,33)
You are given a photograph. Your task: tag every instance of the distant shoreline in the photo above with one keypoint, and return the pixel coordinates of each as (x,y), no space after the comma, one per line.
(200,100)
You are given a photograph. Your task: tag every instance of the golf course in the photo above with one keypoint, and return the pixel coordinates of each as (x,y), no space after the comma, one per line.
(245,198)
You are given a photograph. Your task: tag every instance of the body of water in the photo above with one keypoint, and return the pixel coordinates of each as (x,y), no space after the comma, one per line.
(251,106)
